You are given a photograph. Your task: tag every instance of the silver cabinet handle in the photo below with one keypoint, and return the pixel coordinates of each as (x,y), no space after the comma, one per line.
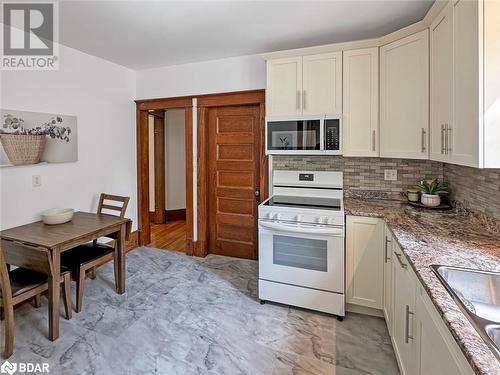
(398,256)
(373,140)
(448,138)
(304,100)
(407,324)
(423,139)
(298,99)
(443,149)
(387,240)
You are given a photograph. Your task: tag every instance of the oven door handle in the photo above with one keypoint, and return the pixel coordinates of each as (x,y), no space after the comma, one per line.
(309,229)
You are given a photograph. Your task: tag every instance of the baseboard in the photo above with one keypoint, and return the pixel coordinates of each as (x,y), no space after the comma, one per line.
(173,215)
(133,241)
(364,310)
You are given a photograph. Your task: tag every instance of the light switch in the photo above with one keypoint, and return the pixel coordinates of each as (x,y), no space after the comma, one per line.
(37,180)
(390,174)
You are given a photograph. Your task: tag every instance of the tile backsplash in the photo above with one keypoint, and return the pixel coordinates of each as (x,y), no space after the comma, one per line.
(477,189)
(362,174)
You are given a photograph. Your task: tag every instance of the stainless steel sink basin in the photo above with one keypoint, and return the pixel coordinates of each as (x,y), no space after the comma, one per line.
(478,295)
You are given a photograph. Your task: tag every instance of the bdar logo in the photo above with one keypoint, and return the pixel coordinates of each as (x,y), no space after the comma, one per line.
(8,368)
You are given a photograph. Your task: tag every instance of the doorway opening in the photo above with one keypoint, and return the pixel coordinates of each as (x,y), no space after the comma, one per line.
(167,176)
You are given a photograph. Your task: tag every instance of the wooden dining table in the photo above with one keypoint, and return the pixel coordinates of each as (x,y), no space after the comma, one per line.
(83,228)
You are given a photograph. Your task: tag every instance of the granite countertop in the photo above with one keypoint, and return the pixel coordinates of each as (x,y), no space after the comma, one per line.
(454,238)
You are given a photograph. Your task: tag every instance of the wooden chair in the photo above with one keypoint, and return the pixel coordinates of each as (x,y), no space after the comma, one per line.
(27,282)
(86,258)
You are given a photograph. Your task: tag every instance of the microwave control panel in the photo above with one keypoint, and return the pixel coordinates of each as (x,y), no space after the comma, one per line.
(332,134)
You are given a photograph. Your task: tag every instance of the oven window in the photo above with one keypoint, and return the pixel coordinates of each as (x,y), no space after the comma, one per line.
(293,135)
(303,253)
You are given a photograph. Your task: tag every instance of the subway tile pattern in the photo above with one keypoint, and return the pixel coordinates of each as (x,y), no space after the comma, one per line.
(477,189)
(366,174)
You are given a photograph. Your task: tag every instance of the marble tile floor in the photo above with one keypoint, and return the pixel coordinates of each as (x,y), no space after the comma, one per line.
(185,315)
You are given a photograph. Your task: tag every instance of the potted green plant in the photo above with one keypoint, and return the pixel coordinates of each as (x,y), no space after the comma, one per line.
(26,146)
(432,190)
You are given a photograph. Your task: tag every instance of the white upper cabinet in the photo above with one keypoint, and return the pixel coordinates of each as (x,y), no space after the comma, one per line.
(465,84)
(284,86)
(360,102)
(322,83)
(304,85)
(441,82)
(404,97)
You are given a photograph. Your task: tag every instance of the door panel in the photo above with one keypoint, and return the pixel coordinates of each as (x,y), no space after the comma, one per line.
(233,178)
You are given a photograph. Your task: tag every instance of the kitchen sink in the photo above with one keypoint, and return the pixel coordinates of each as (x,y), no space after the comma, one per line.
(478,295)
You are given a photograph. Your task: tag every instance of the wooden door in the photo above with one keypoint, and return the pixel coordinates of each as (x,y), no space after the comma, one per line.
(360,100)
(284,86)
(322,83)
(441,82)
(404,97)
(233,180)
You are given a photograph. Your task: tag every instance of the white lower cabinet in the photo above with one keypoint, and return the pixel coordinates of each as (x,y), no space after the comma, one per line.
(436,351)
(403,326)
(379,276)
(388,302)
(365,273)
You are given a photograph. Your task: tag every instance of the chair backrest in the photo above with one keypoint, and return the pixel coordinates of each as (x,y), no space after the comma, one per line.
(20,255)
(119,204)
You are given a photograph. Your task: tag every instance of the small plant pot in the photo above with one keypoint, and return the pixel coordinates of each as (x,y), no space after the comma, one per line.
(430,200)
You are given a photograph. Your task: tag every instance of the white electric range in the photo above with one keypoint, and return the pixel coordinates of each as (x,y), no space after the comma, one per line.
(301,241)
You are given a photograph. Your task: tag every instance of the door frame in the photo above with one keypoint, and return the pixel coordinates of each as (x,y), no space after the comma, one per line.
(204,102)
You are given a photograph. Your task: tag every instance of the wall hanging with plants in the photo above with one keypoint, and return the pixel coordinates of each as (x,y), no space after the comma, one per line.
(33,137)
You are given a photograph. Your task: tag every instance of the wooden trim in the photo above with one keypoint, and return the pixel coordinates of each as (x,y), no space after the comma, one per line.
(164,103)
(231,98)
(173,215)
(201,249)
(159,166)
(133,241)
(143,177)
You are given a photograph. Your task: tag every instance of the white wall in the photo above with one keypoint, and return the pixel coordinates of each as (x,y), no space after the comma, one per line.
(175,160)
(226,75)
(101,95)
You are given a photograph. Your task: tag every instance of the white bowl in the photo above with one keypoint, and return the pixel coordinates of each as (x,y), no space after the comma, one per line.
(57,215)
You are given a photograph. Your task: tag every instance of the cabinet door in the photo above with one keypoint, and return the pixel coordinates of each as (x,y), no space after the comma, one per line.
(388,243)
(364,247)
(284,86)
(463,136)
(404,97)
(437,353)
(441,107)
(322,83)
(360,102)
(403,313)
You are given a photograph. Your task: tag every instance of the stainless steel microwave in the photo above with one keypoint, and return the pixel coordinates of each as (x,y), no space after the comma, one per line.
(304,135)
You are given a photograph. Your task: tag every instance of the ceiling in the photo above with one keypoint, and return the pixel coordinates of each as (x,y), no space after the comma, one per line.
(148,34)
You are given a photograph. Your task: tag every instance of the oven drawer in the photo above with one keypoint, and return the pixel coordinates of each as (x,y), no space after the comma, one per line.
(319,300)
(307,256)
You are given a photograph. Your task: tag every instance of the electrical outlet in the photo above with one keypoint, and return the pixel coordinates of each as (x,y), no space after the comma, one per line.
(36,180)
(390,174)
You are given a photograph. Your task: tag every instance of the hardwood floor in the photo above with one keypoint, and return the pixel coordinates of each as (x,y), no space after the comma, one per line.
(169,236)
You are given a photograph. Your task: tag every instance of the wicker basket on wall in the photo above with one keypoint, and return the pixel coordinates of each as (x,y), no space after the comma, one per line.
(23,149)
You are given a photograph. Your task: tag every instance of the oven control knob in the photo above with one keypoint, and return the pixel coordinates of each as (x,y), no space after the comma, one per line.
(298,218)
(322,220)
